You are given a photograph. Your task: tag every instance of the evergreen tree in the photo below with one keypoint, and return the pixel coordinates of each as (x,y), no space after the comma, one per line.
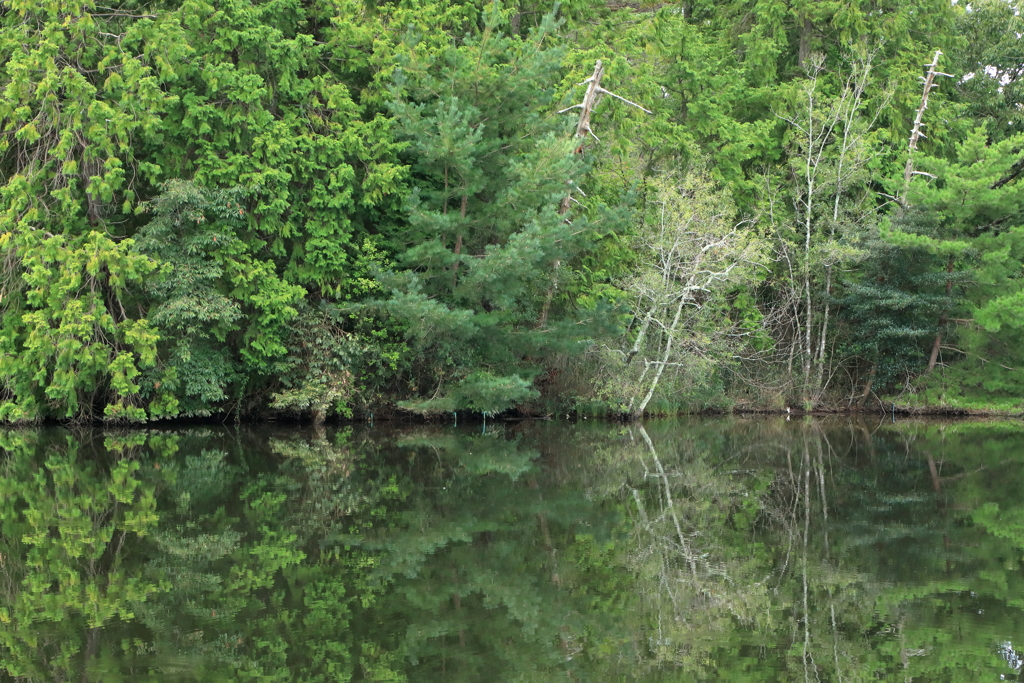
(487,247)
(890,306)
(977,201)
(247,98)
(990,79)
(73,106)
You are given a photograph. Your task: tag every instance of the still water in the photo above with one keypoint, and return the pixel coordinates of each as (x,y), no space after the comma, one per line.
(699,550)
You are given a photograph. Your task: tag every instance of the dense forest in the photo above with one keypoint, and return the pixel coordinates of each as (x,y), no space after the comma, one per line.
(334,207)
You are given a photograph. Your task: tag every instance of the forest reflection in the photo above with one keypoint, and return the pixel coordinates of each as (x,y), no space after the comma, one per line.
(728,549)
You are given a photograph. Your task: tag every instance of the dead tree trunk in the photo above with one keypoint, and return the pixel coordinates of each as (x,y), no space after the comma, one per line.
(804,49)
(908,175)
(915,130)
(586,107)
(590,100)
(583,129)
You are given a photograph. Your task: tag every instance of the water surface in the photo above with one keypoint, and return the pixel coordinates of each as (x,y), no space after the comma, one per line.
(718,550)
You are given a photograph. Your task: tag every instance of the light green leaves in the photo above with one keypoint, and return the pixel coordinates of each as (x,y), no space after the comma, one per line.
(72,335)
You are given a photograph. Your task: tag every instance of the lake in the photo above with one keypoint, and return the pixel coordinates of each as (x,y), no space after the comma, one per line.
(725,549)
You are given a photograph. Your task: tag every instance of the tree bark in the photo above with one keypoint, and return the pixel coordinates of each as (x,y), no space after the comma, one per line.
(933,359)
(458,243)
(867,386)
(590,99)
(639,412)
(819,374)
(915,130)
(805,42)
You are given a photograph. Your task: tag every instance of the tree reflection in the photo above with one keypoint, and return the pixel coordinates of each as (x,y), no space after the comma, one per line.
(70,523)
(733,550)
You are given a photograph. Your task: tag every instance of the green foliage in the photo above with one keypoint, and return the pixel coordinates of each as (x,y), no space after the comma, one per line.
(991,85)
(72,110)
(69,529)
(976,201)
(260,108)
(480,391)
(223,311)
(67,334)
(486,246)
(317,373)
(271,176)
(898,295)
(74,105)
(187,187)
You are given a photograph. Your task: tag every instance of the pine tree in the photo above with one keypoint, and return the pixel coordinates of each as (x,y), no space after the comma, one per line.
(486,247)
(888,308)
(979,212)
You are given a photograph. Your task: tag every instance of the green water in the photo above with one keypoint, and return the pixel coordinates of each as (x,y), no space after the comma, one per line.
(718,550)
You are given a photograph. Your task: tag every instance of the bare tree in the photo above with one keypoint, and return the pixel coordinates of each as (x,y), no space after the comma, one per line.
(829,149)
(690,255)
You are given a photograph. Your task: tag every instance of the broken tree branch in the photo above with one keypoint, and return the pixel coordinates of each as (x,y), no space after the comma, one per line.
(629,102)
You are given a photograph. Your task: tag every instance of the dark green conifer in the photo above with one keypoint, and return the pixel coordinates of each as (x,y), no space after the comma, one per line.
(487,247)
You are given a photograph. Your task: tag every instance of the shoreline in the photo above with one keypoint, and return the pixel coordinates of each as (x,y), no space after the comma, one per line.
(408,417)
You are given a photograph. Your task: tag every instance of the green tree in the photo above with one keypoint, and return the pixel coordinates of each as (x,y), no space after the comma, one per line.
(487,246)
(251,103)
(988,67)
(889,307)
(73,105)
(976,204)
